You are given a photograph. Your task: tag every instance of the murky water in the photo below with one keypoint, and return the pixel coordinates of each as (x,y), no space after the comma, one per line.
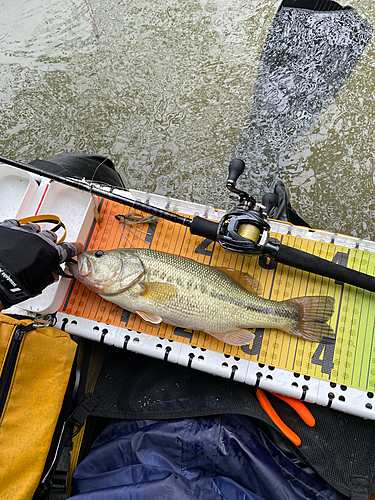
(166,92)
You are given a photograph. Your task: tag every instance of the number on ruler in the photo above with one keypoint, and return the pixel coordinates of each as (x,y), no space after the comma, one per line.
(187,334)
(125,315)
(202,248)
(151,232)
(254,350)
(323,357)
(340,258)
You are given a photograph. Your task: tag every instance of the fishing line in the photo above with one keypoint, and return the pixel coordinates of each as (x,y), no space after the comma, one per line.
(93,22)
(96,210)
(97,168)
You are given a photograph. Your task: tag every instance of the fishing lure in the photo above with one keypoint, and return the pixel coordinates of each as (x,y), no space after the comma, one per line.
(130,219)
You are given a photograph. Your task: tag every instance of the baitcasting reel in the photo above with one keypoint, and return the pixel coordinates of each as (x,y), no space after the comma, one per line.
(244,228)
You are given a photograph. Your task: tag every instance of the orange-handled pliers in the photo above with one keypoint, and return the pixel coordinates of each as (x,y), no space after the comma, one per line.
(296,404)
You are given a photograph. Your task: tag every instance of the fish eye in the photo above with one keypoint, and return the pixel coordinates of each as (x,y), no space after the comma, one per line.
(99,253)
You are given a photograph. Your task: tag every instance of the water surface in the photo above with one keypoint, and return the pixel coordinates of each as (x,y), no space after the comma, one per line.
(166,91)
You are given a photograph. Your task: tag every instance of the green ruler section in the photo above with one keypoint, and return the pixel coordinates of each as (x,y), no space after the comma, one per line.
(350,360)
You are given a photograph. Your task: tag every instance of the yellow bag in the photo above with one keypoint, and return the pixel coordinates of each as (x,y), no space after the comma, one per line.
(35,367)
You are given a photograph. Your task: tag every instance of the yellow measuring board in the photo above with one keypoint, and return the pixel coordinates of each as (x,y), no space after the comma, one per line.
(348,361)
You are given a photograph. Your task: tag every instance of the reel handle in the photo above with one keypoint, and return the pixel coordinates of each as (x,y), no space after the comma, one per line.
(235,169)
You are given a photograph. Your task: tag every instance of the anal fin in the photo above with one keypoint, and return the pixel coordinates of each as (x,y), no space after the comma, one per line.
(234,337)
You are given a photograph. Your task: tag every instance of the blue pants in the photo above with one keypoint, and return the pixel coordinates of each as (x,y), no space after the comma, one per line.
(209,458)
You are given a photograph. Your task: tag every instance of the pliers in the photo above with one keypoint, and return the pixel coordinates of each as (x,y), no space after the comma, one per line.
(296,404)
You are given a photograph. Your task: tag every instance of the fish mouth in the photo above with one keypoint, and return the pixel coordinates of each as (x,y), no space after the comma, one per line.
(80,267)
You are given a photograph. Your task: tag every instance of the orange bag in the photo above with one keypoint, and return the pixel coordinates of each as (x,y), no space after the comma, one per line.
(35,367)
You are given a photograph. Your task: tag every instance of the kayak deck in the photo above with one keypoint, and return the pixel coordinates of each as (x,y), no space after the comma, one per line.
(340,375)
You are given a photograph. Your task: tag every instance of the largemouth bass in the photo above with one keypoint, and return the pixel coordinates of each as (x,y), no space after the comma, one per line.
(162,287)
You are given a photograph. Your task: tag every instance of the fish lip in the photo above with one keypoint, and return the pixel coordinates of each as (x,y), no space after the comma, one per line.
(72,265)
(81,261)
(84,270)
(82,265)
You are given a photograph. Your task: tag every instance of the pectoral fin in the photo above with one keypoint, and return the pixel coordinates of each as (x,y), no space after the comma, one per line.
(234,337)
(159,292)
(150,317)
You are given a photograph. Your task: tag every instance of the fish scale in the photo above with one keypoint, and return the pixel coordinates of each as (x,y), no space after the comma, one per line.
(217,287)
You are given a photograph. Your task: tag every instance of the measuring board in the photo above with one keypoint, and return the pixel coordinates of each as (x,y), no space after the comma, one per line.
(339,375)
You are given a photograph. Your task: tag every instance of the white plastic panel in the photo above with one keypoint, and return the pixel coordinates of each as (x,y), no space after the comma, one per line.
(76,211)
(310,389)
(347,399)
(17,190)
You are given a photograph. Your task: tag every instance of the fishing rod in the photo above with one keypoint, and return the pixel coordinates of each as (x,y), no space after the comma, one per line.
(244,229)
(107,191)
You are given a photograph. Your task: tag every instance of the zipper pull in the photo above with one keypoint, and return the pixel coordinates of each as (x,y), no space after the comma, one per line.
(19,332)
(10,361)
(22,329)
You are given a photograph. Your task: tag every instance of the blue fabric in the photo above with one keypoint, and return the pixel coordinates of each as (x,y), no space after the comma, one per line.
(210,458)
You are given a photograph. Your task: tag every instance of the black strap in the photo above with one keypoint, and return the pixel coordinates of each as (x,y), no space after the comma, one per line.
(54,486)
(360,488)
(59,478)
(83,411)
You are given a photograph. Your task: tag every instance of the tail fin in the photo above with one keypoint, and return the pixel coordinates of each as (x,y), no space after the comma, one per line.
(313,314)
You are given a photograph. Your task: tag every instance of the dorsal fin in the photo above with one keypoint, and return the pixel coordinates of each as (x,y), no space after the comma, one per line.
(246,281)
